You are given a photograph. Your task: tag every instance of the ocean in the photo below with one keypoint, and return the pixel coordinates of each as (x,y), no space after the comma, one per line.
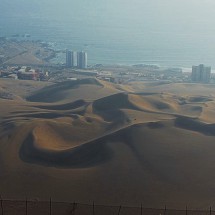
(114,34)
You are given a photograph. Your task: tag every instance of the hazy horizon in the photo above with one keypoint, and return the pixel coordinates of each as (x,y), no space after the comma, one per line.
(182,29)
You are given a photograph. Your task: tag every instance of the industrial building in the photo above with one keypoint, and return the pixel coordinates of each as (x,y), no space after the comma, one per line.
(201,74)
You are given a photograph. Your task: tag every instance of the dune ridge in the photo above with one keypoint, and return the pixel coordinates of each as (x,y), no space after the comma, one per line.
(140,142)
(85,154)
(60,91)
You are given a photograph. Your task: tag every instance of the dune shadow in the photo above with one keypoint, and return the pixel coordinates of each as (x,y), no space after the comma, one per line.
(57,92)
(199,99)
(86,155)
(195,125)
(67,106)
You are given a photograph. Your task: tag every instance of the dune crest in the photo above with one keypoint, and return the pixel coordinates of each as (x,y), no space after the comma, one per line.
(136,143)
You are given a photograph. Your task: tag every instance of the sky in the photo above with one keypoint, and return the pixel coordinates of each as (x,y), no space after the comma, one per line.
(188,17)
(161,12)
(157,23)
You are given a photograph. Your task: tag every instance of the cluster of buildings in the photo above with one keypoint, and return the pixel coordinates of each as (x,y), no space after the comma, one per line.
(27,73)
(76,59)
(24,73)
(201,74)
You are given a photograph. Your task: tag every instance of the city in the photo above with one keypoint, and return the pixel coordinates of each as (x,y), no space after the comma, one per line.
(76,66)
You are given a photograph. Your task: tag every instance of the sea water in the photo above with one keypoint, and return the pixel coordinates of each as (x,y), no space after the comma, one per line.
(112,34)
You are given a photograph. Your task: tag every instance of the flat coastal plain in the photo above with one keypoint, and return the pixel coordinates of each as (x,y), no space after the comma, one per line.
(89,140)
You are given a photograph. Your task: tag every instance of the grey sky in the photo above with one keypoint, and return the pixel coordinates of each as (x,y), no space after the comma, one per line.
(183,16)
(163,11)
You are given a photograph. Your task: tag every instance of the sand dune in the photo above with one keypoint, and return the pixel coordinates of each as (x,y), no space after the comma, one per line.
(202,99)
(116,101)
(67,106)
(86,89)
(195,125)
(89,140)
(86,155)
(20,88)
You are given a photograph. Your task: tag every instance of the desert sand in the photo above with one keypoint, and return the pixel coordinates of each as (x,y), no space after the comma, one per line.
(89,140)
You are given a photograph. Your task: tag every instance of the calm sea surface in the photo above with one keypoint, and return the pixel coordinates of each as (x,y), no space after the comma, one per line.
(112,40)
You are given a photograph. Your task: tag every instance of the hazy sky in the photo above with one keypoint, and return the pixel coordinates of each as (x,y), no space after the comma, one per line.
(181,26)
(161,13)
(188,17)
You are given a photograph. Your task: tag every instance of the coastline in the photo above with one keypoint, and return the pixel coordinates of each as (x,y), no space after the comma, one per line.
(25,52)
(42,53)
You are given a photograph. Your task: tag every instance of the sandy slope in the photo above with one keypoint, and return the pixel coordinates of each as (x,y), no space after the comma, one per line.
(94,141)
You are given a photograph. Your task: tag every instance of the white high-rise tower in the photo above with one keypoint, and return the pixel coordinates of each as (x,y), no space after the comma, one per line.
(201,74)
(82,60)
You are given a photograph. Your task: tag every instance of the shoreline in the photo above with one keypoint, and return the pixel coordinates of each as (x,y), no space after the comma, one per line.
(43,53)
